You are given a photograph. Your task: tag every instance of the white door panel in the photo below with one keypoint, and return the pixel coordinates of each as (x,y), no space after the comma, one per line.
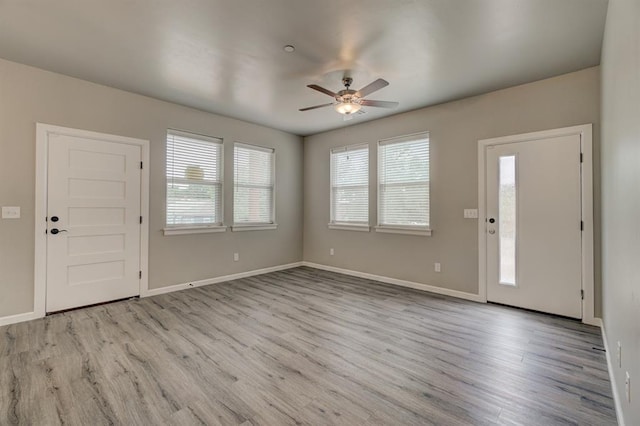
(534,257)
(94,192)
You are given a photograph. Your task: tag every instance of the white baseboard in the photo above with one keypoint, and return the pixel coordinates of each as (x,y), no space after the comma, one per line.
(612,379)
(395,281)
(592,321)
(13,319)
(216,280)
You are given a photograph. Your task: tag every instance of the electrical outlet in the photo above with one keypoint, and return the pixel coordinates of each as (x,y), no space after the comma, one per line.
(236,257)
(619,355)
(331,252)
(436,266)
(627,386)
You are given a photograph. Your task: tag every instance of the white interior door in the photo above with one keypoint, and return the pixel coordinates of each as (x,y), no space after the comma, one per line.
(93,221)
(534,257)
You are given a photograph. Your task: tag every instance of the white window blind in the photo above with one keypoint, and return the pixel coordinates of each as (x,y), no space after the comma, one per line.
(403,179)
(350,185)
(253,195)
(194,180)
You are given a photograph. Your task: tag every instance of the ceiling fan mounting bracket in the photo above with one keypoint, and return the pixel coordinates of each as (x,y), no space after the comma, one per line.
(347,81)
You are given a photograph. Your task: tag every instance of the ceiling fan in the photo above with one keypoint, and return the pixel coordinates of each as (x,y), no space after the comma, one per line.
(350,101)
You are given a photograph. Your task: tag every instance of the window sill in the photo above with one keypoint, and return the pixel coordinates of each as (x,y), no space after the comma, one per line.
(262,227)
(404,230)
(350,227)
(194,230)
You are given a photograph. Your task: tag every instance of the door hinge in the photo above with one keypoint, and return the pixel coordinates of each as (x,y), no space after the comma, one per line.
(582,225)
(140,274)
(582,294)
(581,157)
(141,165)
(140,219)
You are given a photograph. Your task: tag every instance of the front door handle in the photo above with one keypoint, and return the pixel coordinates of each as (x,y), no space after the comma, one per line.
(492,231)
(55,231)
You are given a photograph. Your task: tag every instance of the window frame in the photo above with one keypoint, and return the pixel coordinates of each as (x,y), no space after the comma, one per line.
(403,229)
(349,226)
(255,226)
(181,229)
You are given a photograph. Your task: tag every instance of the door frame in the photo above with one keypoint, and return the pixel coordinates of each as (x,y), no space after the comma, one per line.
(42,155)
(585,132)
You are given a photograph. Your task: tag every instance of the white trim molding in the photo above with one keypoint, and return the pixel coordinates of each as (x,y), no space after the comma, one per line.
(349,227)
(183,230)
(217,280)
(407,230)
(612,379)
(13,319)
(42,155)
(395,281)
(254,227)
(586,148)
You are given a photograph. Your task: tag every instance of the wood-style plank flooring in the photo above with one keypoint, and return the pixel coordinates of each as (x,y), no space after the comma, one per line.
(303,346)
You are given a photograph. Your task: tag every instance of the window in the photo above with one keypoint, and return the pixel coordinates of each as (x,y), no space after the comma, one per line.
(253,192)
(403,185)
(350,187)
(507,217)
(194,181)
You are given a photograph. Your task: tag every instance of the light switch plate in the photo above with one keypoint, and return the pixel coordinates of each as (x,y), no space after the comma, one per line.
(11,212)
(470,213)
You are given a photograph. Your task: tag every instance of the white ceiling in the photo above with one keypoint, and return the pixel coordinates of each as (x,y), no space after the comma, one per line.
(227,57)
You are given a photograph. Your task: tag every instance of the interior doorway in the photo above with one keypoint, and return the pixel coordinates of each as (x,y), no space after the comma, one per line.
(536,227)
(91,237)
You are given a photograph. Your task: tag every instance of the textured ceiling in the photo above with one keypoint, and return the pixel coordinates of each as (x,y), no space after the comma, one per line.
(227,56)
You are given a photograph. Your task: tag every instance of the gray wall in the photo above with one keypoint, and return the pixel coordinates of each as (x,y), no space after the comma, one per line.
(455,129)
(621,195)
(29,95)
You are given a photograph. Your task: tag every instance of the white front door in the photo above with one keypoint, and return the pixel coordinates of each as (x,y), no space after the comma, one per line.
(93,221)
(534,246)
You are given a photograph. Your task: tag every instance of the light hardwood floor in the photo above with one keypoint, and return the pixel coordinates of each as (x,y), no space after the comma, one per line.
(303,346)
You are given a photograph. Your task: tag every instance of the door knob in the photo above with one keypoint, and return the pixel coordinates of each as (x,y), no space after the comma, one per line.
(492,231)
(55,231)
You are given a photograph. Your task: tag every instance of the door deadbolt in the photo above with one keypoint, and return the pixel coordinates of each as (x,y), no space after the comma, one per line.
(492,220)
(54,218)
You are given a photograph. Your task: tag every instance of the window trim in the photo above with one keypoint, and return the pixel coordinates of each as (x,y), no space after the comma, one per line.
(341,226)
(255,226)
(403,229)
(350,226)
(189,228)
(183,230)
(407,230)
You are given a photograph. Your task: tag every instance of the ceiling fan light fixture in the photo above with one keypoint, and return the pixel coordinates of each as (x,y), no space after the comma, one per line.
(348,101)
(347,108)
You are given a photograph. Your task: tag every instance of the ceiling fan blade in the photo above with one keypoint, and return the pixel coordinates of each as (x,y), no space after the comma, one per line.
(372,87)
(316,106)
(322,89)
(379,104)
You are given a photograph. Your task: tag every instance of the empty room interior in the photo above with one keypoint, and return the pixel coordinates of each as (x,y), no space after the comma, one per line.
(364,212)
